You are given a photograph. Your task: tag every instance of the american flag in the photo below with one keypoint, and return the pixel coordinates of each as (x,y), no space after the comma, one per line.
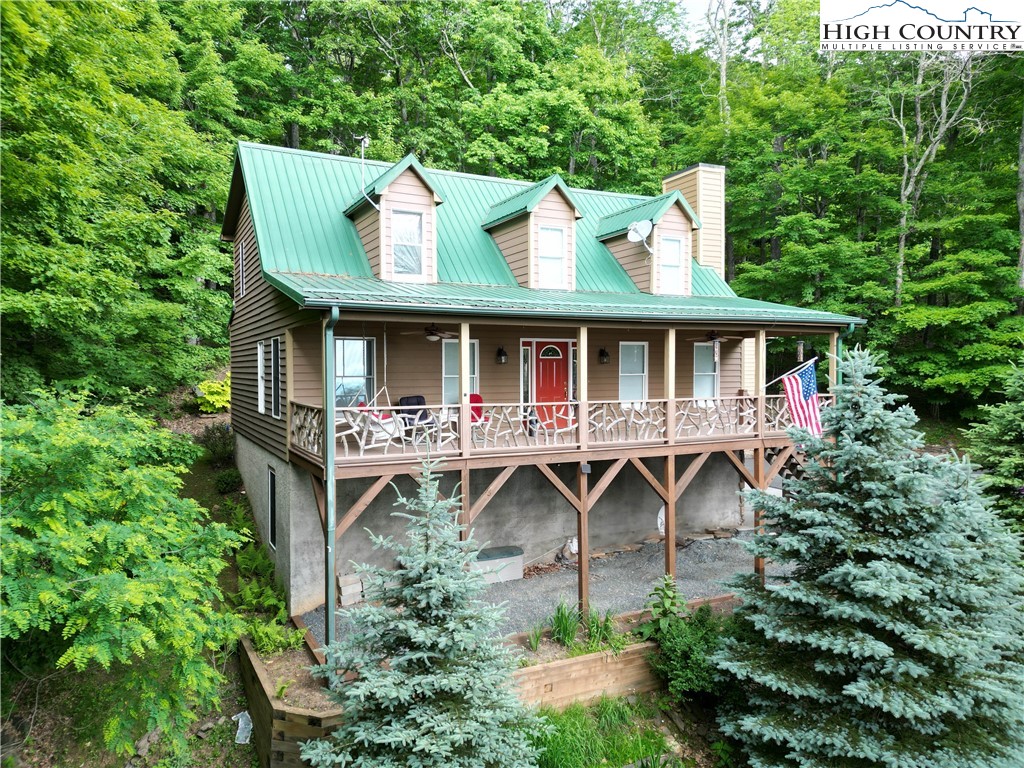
(802,398)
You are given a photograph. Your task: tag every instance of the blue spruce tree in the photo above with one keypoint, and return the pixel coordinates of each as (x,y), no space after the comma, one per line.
(898,639)
(432,684)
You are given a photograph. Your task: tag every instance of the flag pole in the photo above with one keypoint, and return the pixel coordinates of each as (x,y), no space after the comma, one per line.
(791,372)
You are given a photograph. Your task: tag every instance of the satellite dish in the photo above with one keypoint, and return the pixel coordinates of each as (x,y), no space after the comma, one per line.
(638,231)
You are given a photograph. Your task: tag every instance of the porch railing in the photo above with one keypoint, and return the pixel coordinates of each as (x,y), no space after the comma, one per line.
(369,433)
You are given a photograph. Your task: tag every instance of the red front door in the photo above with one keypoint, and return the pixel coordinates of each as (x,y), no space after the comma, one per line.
(551,382)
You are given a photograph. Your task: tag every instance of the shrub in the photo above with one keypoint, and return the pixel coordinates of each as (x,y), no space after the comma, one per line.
(684,656)
(215,395)
(219,442)
(227,480)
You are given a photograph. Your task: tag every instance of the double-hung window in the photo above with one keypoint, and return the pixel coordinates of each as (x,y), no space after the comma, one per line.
(551,258)
(407,245)
(353,371)
(705,371)
(450,370)
(633,372)
(261,377)
(671,274)
(241,268)
(275,378)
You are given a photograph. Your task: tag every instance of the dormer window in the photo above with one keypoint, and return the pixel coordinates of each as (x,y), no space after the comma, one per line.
(407,239)
(551,258)
(671,275)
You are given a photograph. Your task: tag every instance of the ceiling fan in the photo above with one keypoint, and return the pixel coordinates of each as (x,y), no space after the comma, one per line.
(432,333)
(713,336)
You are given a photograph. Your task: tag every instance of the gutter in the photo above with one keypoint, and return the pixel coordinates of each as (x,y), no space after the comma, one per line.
(330,484)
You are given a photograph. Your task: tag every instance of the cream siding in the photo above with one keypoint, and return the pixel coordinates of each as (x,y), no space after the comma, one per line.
(553,211)
(262,314)
(634,258)
(408,193)
(368,226)
(729,368)
(673,224)
(703,186)
(513,240)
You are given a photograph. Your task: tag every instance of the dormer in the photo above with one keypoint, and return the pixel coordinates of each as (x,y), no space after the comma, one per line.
(535,229)
(661,261)
(396,219)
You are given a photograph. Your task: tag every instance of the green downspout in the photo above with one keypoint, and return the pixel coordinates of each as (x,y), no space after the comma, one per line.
(839,351)
(330,485)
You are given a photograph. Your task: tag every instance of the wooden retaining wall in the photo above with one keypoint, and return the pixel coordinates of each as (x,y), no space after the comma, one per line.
(277,728)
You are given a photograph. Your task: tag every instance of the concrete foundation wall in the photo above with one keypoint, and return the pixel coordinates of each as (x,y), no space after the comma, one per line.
(299,554)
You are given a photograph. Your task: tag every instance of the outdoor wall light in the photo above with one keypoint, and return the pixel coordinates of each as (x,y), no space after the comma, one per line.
(603,357)
(501,358)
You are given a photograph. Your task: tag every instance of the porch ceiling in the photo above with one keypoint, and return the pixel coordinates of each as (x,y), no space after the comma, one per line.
(370,294)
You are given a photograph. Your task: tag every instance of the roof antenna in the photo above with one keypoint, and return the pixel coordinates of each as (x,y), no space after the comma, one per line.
(364,142)
(638,231)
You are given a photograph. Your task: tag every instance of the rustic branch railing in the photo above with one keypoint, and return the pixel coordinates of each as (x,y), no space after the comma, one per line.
(307,433)
(495,428)
(634,422)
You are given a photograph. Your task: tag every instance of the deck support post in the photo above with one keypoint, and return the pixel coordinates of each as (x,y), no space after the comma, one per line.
(761,485)
(583,540)
(670,386)
(466,503)
(465,424)
(760,380)
(670,515)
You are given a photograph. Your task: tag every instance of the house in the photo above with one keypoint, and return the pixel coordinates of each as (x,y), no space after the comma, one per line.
(575,356)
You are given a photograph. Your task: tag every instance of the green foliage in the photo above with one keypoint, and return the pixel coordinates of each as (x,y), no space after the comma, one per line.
(665,604)
(612,732)
(534,637)
(215,395)
(260,600)
(219,441)
(997,444)
(227,480)
(899,637)
(434,685)
(565,624)
(105,565)
(686,645)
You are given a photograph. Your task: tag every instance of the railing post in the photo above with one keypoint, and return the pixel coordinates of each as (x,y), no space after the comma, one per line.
(670,385)
(582,390)
(760,377)
(464,388)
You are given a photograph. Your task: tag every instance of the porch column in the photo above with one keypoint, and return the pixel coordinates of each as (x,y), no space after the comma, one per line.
(833,358)
(670,515)
(670,386)
(464,389)
(582,390)
(583,539)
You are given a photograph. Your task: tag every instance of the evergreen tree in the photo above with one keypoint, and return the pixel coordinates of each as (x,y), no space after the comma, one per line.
(997,444)
(433,685)
(899,638)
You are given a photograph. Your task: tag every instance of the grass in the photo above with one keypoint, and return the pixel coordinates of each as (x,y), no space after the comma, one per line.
(612,732)
(943,432)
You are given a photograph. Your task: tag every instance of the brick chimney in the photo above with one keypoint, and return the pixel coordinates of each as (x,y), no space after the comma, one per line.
(703,186)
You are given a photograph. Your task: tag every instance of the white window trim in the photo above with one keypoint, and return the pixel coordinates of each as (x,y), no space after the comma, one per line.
(371,391)
(646,374)
(662,288)
(275,378)
(271,508)
(564,282)
(718,369)
(241,268)
(474,381)
(261,377)
(424,274)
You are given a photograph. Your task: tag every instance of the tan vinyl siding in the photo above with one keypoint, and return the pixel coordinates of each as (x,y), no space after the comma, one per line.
(673,224)
(747,362)
(730,378)
(368,225)
(307,365)
(261,315)
(408,193)
(604,379)
(703,186)
(634,258)
(553,211)
(513,240)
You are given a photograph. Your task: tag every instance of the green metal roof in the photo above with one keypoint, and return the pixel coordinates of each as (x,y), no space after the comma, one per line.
(514,301)
(653,210)
(310,249)
(526,200)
